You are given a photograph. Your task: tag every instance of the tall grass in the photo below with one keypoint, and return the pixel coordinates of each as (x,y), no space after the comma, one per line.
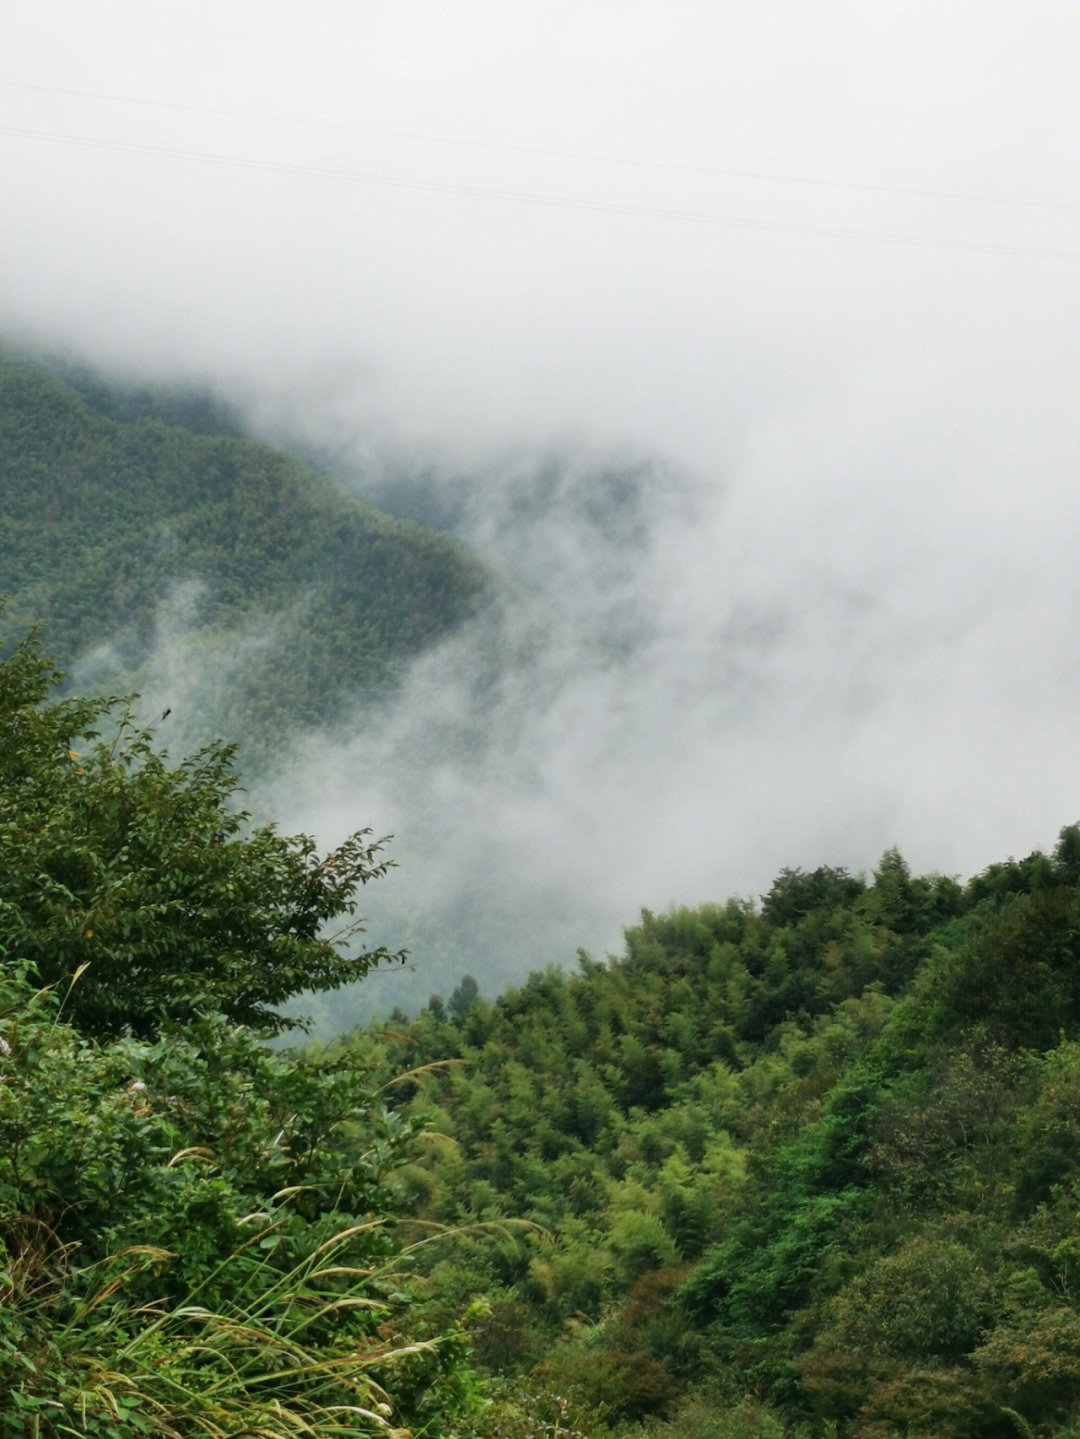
(281,1364)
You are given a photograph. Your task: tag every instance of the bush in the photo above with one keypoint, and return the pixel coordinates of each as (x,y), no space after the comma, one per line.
(196,1234)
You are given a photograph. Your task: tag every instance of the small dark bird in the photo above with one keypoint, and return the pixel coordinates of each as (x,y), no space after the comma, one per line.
(166,713)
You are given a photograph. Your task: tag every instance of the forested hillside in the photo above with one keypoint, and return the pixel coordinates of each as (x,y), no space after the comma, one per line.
(808,1166)
(219,577)
(803,1165)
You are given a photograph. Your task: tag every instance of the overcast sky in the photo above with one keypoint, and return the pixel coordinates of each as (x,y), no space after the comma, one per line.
(822,257)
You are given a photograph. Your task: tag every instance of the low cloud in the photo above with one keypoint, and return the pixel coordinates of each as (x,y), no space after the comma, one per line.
(825,269)
(656,712)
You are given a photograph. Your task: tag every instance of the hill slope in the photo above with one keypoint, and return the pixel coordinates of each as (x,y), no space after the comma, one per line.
(810,1169)
(216,575)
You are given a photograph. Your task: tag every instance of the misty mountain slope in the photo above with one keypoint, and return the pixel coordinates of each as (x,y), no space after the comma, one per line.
(216,575)
(191,406)
(684,679)
(456,701)
(525,760)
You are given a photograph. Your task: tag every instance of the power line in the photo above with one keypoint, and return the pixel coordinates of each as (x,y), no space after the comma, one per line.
(563,202)
(541,152)
(369,177)
(345,126)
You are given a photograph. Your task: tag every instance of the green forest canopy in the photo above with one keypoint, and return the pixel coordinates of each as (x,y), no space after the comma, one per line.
(130,527)
(810,1166)
(805,1167)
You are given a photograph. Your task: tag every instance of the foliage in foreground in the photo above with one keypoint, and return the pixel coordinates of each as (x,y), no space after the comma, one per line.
(197,1236)
(148,878)
(184,1252)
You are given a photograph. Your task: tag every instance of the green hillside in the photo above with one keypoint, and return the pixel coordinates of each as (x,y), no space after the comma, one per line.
(219,576)
(809,1168)
(803,1167)
(800,1167)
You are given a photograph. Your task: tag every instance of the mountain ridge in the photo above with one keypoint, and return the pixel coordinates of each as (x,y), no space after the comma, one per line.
(122,531)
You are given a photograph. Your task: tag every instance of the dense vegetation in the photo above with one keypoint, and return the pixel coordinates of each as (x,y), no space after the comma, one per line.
(807,1166)
(811,1166)
(197,1236)
(219,577)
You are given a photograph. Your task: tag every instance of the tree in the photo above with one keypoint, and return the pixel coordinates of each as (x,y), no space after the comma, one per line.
(794,894)
(197,1234)
(464,997)
(149,882)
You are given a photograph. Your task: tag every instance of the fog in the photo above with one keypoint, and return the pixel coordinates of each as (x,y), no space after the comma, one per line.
(807,272)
